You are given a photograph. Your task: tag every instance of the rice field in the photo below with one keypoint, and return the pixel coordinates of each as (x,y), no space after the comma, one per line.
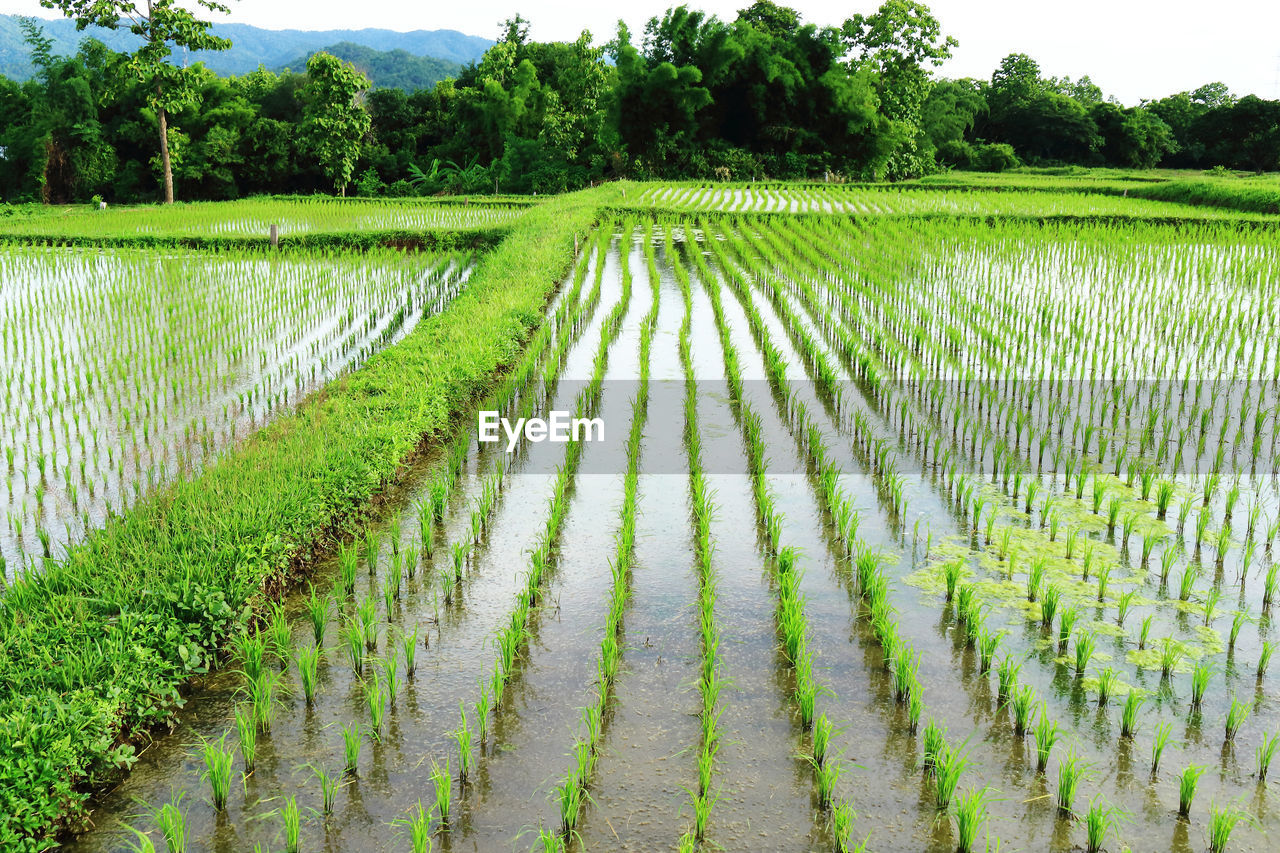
(950,529)
(254,218)
(908,533)
(1022,199)
(125,369)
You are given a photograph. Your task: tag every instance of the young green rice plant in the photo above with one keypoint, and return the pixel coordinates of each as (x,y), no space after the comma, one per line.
(1066,624)
(371,548)
(842,820)
(367,612)
(217,763)
(988,642)
(348,563)
(1271,584)
(375,699)
(251,650)
(1099,821)
(462,737)
(1007,676)
(1199,683)
(1104,578)
(353,641)
(827,775)
(328,788)
(318,612)
(1107,681)
(442,784)
(409,644)
(1167,558)
(247,732)
(172,823)
(1264,656)
(1085,642)
(1236,715)
(1129,717)
(390,666)
(1049,605)
(262,695)
(951,764)
(352,737)
(1188,582)
(1069,773)
(1163,732)
(1087,562)
(281,635)
(1266,752)
(1047,734)
(1035,578)
(1188,781)
(1238,620)
(417,828)
(1144,631)
(1170,656)
(291,819)
(1210,604)
(971,814)
(951,573)
(1023,705)
(1222,823)
(933,743)
(1123,604)
(458,553)
(308,658)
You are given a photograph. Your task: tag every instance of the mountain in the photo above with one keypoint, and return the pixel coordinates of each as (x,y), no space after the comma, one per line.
(391,69)
(253,46)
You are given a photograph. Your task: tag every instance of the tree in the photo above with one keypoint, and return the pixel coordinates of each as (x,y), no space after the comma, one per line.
(162,25)
(899,41)
(335,121)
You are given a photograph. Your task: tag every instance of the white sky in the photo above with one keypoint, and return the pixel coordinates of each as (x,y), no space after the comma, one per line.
(1132,48)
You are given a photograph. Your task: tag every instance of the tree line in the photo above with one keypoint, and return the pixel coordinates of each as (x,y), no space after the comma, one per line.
(765,95)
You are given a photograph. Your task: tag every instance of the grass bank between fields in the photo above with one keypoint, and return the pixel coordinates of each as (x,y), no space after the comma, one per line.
(441,240)
(95,648)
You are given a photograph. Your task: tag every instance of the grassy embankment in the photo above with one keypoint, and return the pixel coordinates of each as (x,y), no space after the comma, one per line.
(95,648)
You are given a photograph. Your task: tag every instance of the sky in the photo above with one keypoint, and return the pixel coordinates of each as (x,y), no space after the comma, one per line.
(1133,49)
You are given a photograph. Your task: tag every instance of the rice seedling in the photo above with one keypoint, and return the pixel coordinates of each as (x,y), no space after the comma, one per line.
(1171,655)
(375,699)
(1158,745)
(1023,705)
(318,611)
(1188,582)
(409,644)
(1099,821)
(1129,717)
(442,784)
(281,635)
(950,764)
(352,737)
(1085,642)
(417,828)
(308,658)
(971,814)
(1266,752)
(462,737)
(1188,781)
(1144,631)
(1070,770)
(1199,683)
(1047,734)
(217,763)
(328,788)
(1108,678)
(1264,656)
(1236,715)
(262,696)
(247,732)
(172,822)
(1222,823)
(1007,676)
(353,640)
(1123,603)
(291,820)
(251,651)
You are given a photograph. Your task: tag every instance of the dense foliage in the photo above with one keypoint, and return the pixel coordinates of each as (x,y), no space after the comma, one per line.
(762,95)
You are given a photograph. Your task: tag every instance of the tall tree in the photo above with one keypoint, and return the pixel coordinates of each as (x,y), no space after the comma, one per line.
(335,121)
(162,25)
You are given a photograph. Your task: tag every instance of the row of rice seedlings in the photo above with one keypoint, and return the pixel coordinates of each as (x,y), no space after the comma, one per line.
(790,613)
(710,680)
(572,791)
(513,638)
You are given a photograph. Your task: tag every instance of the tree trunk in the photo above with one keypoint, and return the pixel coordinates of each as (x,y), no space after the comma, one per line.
(164,156)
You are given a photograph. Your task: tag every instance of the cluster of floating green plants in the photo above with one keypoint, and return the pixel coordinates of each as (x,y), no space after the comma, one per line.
(125,370)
